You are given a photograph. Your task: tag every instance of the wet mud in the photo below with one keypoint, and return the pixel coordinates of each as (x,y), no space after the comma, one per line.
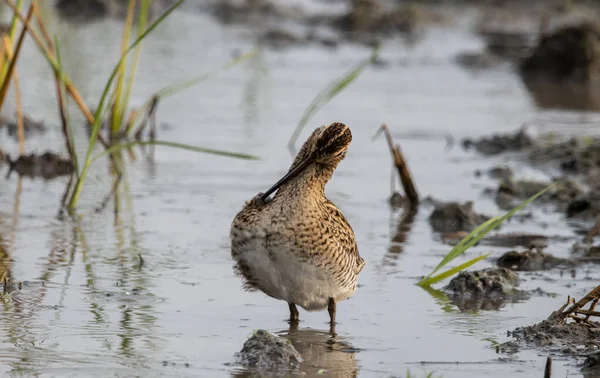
(486,289)
(455,217)
(571,331)
(266,352)
(185,303)
(531,260)
(47,166)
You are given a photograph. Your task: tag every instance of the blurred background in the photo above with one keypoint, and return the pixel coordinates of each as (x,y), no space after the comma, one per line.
(119,183)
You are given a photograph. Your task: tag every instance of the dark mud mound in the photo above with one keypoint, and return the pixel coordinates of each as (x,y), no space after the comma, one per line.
(573,155)
(563,70)
(487,289)
(530,261)
(491,282)
(47,166)
(570,53)
(584,207)
(500,172)
(265,352)
(455,217)
(83,10)
(500,143)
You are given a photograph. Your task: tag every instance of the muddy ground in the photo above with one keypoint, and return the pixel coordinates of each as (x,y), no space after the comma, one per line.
(153,290)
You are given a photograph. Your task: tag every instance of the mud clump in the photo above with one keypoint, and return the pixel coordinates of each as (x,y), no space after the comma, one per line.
(500,172)
(554,333)
(265,351)
(48,166)
(487,289)
(591,363)
(573,155)
(571,53)
(368,16)
(491,282)
(511,192)
(455,217)
(500,143)
(530,261)
(584,207)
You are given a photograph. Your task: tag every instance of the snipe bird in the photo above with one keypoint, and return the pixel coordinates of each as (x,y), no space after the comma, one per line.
(298,246)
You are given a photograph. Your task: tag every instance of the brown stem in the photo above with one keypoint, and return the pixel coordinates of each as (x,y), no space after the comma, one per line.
(70,88)
(548,368)
(13,61)
(401,166)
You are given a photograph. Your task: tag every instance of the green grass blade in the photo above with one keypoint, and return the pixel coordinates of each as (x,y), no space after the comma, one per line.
(64,96)
(175,145)
(12,32)
(480,232)
(330,92)
(435,279)
(459,248)
(118,105)
(136,56)
(96,126)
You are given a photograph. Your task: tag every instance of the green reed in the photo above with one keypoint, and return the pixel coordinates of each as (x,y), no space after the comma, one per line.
(470,240)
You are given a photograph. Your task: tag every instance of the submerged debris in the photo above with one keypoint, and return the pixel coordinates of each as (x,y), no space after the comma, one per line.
(530,261)
(455,217)
(264,350)
(29,126)
(48,165)
(499,143)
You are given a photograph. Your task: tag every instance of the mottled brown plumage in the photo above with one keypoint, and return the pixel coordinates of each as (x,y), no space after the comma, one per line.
(298,246)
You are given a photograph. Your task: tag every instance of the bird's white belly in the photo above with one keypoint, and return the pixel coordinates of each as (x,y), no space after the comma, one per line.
(282,275)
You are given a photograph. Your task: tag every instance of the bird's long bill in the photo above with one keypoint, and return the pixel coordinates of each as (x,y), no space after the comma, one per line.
(291,174)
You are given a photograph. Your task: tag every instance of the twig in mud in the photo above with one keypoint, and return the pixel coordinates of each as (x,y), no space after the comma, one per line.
(402,167)
(110,194)
(577,308)
(548,368)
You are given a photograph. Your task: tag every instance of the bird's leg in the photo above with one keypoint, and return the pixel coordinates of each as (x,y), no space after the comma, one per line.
(294,314)
(331,310)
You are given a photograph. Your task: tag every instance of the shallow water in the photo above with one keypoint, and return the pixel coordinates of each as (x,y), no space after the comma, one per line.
(182,312)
